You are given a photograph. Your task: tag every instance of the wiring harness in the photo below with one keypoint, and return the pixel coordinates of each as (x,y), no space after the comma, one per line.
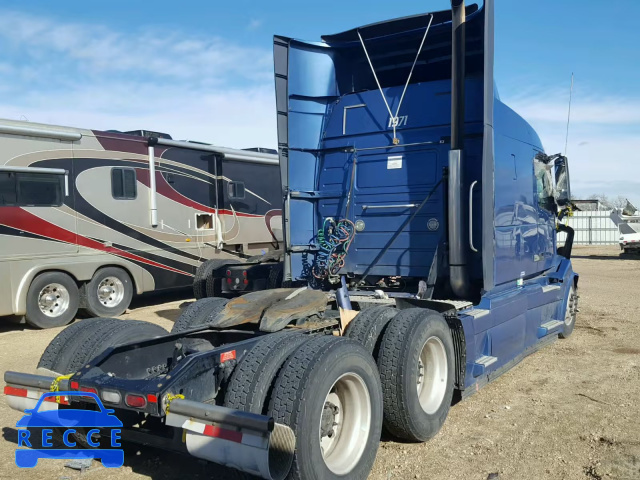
(334,240)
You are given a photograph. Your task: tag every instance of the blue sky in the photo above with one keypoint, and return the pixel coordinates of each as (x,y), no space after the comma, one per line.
(202,70)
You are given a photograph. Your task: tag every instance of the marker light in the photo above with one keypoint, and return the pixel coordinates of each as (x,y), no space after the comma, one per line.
(135,401)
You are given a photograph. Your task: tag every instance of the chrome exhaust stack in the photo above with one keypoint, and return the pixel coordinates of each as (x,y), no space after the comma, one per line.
(245,441)
(458,274)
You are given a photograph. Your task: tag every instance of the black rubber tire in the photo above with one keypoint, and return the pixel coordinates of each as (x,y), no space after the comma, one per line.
(76,345)
(203,272)
(572,306)
(276,275)
(35,317)
(213,283)
(199,313)
(252,380)
(200,280)
(397,362)
(63,342)
(90,302)
(298,399)
(369,326)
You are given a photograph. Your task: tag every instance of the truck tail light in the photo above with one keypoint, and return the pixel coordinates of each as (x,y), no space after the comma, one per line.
(135,401)
(89,390)
(75,386)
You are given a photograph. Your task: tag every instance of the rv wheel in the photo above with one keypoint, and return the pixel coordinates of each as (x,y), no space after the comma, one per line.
(52,300)
(108,294)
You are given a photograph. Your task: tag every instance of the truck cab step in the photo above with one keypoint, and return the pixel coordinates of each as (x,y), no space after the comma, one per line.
(481,364)
(548,327)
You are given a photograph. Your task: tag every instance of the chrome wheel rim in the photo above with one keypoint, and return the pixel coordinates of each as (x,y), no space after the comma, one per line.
(432,375)
(110,292)
(345,423)
(569,315)
(53,300)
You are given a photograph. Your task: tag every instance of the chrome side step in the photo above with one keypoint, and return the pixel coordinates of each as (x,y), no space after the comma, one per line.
(482,363)
(547,327)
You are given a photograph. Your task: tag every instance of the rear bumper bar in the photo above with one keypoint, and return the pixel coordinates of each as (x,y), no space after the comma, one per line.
(23,390)
(245,441)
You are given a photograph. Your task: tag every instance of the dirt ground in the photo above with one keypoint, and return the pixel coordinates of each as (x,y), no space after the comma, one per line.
(570,411)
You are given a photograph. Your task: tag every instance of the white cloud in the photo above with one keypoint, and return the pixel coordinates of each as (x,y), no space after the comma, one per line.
(162,53)
(90,76)
(604,137)
(254,24)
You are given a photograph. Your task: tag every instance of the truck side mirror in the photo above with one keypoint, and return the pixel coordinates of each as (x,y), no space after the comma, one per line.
(563,185)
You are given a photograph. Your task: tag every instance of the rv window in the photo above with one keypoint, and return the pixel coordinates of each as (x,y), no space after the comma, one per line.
(20,189)
(40,189)
(236,190)
(8,195)
(124,183)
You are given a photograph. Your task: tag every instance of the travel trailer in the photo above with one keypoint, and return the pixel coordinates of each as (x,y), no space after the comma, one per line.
(89,218)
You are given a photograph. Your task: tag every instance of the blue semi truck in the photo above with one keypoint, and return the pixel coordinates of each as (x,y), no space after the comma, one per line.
(420,263)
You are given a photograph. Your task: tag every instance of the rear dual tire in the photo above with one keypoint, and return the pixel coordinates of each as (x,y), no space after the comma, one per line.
(205,284)
(199,313)
(79,343)
(329,392)
(326,389)
(417,369)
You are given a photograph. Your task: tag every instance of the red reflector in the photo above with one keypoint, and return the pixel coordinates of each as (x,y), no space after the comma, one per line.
(135,401)
(15,392)
(218,432)
(89,390)
(229,281)
(246,282)
(53,400)
(228,273)
(244,272)
(152,398)
(226,356)
(75,385)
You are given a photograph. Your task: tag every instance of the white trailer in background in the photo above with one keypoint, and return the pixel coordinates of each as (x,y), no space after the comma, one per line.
(629,227)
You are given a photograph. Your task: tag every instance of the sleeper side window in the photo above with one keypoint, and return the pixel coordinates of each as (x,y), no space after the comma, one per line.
(124,184)
(22,189)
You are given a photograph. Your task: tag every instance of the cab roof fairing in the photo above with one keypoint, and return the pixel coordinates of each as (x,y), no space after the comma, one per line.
(392,46)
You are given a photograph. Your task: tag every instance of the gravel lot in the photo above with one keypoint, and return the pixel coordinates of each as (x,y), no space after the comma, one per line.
(570,411)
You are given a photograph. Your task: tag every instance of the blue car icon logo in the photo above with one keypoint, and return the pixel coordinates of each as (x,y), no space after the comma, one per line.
(66,421)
